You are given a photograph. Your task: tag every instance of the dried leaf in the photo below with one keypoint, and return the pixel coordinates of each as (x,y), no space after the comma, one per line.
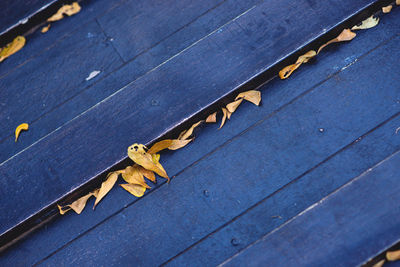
(225,115)
(62,210)
(231,107)
(288,70)
(68,10)
(79,204)
(12,47)
(252,96)
(23,126)
(45,28)
(212,118)
(379,263)
(387,9)
(398,2)
(393,255)
(106,187)
(148,174)
(137,153)
(186,134)
(134,189)
(366,24)
(171,144)
(132,175)
(345,35)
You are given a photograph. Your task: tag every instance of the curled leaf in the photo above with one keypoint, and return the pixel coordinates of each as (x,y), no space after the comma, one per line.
(345,35)
(137,153)
(379,263)
(63,210)
(78,205)
(147,173)
(387,9)
(225,115)
(23,126)
(134,189)
(252,96)
(231,107)
(393,255)
(68,10)
(212,118)
(132,175)
(12,47)
(45,28)
(187,133)
(288,70)
(366,24)
(171,144)
(106,186)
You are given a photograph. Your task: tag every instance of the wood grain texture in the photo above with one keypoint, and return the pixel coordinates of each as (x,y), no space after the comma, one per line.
(343,229)
(273,159)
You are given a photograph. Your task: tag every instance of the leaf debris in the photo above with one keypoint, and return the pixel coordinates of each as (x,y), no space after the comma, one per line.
(288,70)
(393,255)
(46,28)
(21,127)
(68,10)
(78,205)
(212,118)
(106,186)
(345,35)
(366,24)
(12,47)
(387,9)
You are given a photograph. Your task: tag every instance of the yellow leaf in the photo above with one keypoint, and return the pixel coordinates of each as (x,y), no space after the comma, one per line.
(23,126)
(288,70)
(345,35)
(134,189)
(148,174)
(379,263)
(132,175)
(366,24)
(225,115)
(106,187)
(252,96)
(213,117)
(387,9)
(171,144)
(231,107)
(186,134)
(67,10)
(137,153)
(155,158)
(79,204)
(63,210)
(12,47)
(46,28)
(393,255)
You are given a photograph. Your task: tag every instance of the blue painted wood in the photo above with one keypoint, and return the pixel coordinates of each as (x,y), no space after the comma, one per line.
(276,95)
(45,159)
(273,159)
(344,229)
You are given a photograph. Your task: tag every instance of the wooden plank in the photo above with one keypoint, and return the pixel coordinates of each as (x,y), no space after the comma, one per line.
(277,149)
(276,95)
(47,158)
(345,228)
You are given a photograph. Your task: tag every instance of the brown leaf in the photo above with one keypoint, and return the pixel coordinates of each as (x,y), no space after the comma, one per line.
(231,107)
(171,144)
(393,255)
(148,174)
(45,28)
(379,263)
(345,35)
(288,70)
(65,10)
(387,9)
(212,118)
(186,134)
(23,126)
(12,47)
(79,204)
(366,24)
(252,96)
(137,153)
(398,2)
(134,189)
(225,112)
(132,175)
(106,187)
